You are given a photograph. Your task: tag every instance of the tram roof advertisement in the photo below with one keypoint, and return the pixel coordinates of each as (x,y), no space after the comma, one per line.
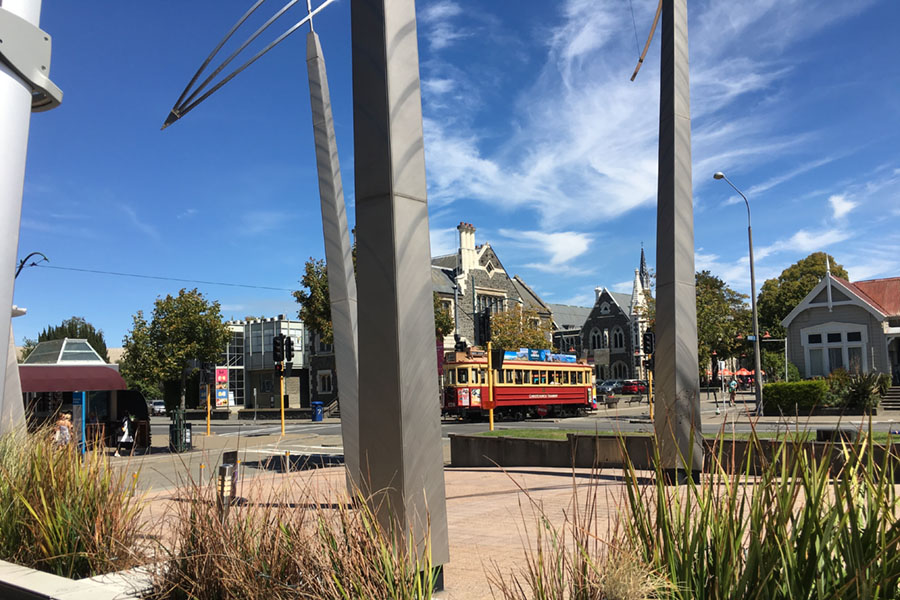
(531,354)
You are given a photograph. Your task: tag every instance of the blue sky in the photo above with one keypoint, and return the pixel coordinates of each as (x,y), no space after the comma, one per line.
(534,134)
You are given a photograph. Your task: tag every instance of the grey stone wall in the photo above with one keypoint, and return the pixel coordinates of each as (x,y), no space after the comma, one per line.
(617,317)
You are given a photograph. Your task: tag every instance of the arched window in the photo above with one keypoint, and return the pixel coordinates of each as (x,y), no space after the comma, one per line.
(619,370)
(618,338)
(595,339)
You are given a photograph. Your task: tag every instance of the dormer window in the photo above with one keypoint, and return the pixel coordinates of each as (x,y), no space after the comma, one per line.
(604,308)
(489,267)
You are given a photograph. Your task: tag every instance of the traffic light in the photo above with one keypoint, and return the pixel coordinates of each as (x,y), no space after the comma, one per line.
(649,342)
(460,345)
(288,349)
(497,358)
(278,348)
(486,326)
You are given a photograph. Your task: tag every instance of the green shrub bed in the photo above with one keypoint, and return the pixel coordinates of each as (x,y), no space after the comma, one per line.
(786,397)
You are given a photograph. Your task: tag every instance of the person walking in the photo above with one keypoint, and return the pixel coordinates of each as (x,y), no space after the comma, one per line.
(63,430)
(126,435)
(732,391)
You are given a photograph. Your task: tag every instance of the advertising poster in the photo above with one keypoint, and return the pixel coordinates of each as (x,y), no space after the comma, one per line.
(221,387)
(476,397)
(464,397)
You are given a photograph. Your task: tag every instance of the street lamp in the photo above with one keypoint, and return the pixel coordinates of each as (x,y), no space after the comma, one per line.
(757,374)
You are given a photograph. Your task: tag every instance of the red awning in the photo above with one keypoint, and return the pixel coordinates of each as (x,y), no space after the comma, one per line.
(60,378)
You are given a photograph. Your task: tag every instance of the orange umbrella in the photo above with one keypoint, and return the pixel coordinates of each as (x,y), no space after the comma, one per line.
(753,372)
(742,372)
(725,373)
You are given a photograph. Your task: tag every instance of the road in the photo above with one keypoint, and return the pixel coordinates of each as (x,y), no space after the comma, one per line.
(263,450)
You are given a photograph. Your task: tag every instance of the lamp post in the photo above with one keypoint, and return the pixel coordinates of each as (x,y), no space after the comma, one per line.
(757,374)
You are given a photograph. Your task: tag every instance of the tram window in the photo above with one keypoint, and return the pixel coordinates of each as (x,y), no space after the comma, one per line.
(520,377)
(482,374)
(580,377)
(463,376)
(565,377)
(544,377)
(509,376)
(451,376)
(551,378)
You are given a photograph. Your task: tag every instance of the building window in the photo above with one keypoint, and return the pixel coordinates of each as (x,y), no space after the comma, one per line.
(619,370)
(604,308)
(323,348)
(494,304)
(489,268)
(596,342)
(833,346)
(325,383)
(618,339)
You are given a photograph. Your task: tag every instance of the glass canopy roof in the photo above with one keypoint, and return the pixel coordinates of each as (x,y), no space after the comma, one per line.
(64,351)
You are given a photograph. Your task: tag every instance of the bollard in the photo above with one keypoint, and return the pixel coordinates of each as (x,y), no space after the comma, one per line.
(225,489)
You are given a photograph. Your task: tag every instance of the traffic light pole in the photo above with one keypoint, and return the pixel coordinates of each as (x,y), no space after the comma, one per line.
(208,390)
(490,387)
(281,396)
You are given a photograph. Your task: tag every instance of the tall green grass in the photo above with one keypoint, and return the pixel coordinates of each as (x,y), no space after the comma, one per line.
(293,544)
(64,515)
(797,524)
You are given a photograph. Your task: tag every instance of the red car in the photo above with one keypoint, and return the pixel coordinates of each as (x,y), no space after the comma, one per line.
(633,387)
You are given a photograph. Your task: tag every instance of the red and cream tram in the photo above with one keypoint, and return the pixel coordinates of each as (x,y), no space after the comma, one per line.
(522,388)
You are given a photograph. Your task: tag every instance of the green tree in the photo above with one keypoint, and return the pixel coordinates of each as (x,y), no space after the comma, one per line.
(315,302)
(443,321)
(74,328)
(519,328)
(722,315)
(773,364)
(28,345)
(780,295)
(183,330)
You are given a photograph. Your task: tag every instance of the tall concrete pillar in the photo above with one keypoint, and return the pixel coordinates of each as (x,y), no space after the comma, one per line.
(677,418)
(400,435)
(15,119)
(338,255)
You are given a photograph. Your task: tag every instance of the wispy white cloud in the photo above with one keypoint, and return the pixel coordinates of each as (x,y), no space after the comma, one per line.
(841,206)
(187,213)
(140,224)
(804,240)
(443,241)
(436,21)
(562,247)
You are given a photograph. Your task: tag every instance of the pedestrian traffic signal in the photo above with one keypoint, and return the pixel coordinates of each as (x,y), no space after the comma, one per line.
(649,342)
(288,349)
(278,348)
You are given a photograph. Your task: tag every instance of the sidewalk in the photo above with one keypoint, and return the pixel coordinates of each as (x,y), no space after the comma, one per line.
(489,518)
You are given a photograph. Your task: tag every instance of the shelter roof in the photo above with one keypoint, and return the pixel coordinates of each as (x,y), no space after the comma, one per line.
(66,378)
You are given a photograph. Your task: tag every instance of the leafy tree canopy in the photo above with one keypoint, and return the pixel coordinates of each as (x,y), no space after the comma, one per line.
(75,328)
(722,315)
(779,296)
(182,329)
(519,328)
(443,321)
(315,303)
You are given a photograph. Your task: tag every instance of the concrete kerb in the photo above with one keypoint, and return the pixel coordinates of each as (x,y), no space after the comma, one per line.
(22,583)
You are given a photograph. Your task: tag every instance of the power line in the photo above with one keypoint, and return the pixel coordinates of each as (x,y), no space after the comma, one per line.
(637,44)
(241,285)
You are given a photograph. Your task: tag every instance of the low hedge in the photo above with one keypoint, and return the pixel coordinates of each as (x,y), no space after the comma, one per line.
(787,397)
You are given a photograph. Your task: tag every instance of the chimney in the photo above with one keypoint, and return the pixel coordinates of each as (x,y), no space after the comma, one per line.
(467,257)
(597,292)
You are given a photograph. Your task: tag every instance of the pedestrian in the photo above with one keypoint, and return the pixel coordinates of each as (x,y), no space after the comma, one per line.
(125,437)
(732,391)
(63,430)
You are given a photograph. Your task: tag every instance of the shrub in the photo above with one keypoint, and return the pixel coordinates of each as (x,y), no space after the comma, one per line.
(290,545)
(800,529)
(788,397)
(863,391)
(64,515)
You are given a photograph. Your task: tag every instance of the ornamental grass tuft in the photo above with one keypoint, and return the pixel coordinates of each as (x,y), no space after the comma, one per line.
(64,514)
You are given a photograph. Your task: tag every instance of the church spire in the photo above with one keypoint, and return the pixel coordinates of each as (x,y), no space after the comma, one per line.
(644,271)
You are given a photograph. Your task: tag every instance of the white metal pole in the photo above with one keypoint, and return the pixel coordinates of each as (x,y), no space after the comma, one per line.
(15,117)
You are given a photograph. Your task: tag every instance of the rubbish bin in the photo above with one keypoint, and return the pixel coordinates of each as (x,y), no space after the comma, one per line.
(180,438)
(318,411)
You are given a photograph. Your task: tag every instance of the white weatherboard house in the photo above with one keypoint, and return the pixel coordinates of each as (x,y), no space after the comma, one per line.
(854,326)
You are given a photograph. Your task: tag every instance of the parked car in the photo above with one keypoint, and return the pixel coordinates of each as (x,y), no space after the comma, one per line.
(610,387)
(157,407)
(633,387)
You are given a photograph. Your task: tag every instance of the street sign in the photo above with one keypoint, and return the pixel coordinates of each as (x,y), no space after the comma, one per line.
(751,338)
